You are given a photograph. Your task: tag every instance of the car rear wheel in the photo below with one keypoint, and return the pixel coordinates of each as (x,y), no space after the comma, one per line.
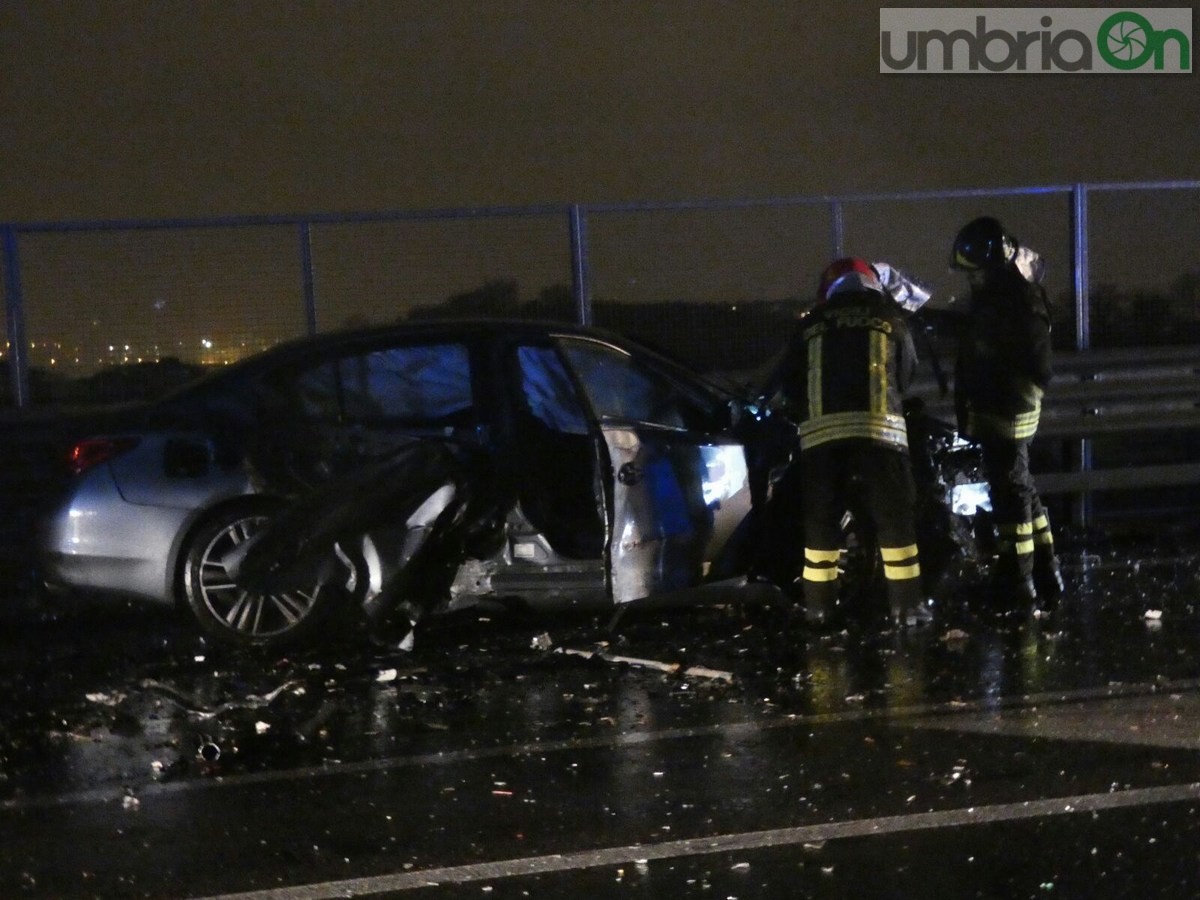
(227,612)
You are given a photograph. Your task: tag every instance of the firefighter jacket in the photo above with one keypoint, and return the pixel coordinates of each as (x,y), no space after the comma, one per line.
(849,364)
(1003,362)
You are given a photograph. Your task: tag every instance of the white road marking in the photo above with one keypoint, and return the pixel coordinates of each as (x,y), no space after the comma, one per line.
(1158,720)
(724,843)
(940,715)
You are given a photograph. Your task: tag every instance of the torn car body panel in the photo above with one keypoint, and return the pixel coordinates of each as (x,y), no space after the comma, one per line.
(406,492)
(675,506)
(430,531)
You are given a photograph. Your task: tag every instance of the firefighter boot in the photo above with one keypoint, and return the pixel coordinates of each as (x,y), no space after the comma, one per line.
(902,574)
(820,600)
(1012,587)
(1047,577)
(820,580)
(907,605)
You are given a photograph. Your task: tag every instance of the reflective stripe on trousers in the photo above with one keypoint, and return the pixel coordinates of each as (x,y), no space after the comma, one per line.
(821,565)
(900,563)
(1014,539)
(1042,538)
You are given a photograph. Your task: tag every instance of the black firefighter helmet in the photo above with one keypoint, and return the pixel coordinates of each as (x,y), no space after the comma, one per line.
(984,244)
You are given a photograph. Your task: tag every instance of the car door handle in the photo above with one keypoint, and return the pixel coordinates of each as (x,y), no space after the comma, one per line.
(629,474)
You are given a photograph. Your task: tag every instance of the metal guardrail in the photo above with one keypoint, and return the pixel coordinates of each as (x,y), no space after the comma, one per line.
(1111,391)
(1104,393)
(577,219)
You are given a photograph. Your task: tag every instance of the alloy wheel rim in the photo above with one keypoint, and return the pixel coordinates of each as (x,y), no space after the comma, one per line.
(238,610)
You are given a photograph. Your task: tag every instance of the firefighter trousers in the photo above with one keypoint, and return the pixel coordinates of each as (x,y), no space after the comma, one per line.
(1022,525)
(882,478)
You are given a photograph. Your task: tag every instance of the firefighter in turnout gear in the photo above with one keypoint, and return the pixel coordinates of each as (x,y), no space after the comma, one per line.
(1003,369)
(843,379)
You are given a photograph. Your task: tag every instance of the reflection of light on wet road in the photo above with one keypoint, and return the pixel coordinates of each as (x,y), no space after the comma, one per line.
(1134,715)
(714,845)
(1159,719)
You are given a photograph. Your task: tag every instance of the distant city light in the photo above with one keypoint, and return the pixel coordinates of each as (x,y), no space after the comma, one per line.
(69,359)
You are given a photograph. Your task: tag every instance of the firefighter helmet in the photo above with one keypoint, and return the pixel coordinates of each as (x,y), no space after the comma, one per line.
(983,244)
(848,274)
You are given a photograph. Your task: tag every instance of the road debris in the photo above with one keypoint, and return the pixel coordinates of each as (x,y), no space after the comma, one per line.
(668,668)
(105,699)
(194,707)
(208,751)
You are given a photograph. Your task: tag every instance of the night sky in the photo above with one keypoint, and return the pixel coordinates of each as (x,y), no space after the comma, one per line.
(170,108)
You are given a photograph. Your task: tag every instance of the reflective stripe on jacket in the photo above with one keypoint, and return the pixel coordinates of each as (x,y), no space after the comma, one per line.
(1019,427)
(852,360)
(1004,359)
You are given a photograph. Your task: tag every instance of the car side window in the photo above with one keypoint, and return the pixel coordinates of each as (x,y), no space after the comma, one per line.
(619,387)
(422,384)
(548,391)
(317,393)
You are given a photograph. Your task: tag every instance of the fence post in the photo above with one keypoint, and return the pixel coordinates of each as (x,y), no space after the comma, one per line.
(838,221)
(1079,223)
(14,316)
(306,276)
(579,265)
(1082,506)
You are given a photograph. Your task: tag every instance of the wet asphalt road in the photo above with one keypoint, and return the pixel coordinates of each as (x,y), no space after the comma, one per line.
(722,752)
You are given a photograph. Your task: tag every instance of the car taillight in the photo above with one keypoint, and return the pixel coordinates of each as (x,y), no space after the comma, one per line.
(89,453)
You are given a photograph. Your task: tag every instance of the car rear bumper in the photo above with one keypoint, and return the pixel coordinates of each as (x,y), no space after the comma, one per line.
(97,541)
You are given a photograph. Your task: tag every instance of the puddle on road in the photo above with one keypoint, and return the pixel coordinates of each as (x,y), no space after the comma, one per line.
(115,699)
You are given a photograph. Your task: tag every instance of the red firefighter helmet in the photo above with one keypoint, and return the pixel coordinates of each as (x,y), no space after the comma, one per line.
(848,274)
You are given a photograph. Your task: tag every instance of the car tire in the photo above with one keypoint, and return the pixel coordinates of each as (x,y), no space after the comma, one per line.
(234,617)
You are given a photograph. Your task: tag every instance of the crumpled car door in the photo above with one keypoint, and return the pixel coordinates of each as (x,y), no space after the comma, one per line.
(679,486)
(676,504)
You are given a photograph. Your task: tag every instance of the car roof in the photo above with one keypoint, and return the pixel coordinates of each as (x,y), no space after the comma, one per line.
(458,328)
(298,348)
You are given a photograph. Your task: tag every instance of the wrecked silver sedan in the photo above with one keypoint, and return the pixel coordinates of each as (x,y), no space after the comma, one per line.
(416,469)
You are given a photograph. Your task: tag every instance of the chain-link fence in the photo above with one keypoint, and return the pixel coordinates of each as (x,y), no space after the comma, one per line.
(111,310)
